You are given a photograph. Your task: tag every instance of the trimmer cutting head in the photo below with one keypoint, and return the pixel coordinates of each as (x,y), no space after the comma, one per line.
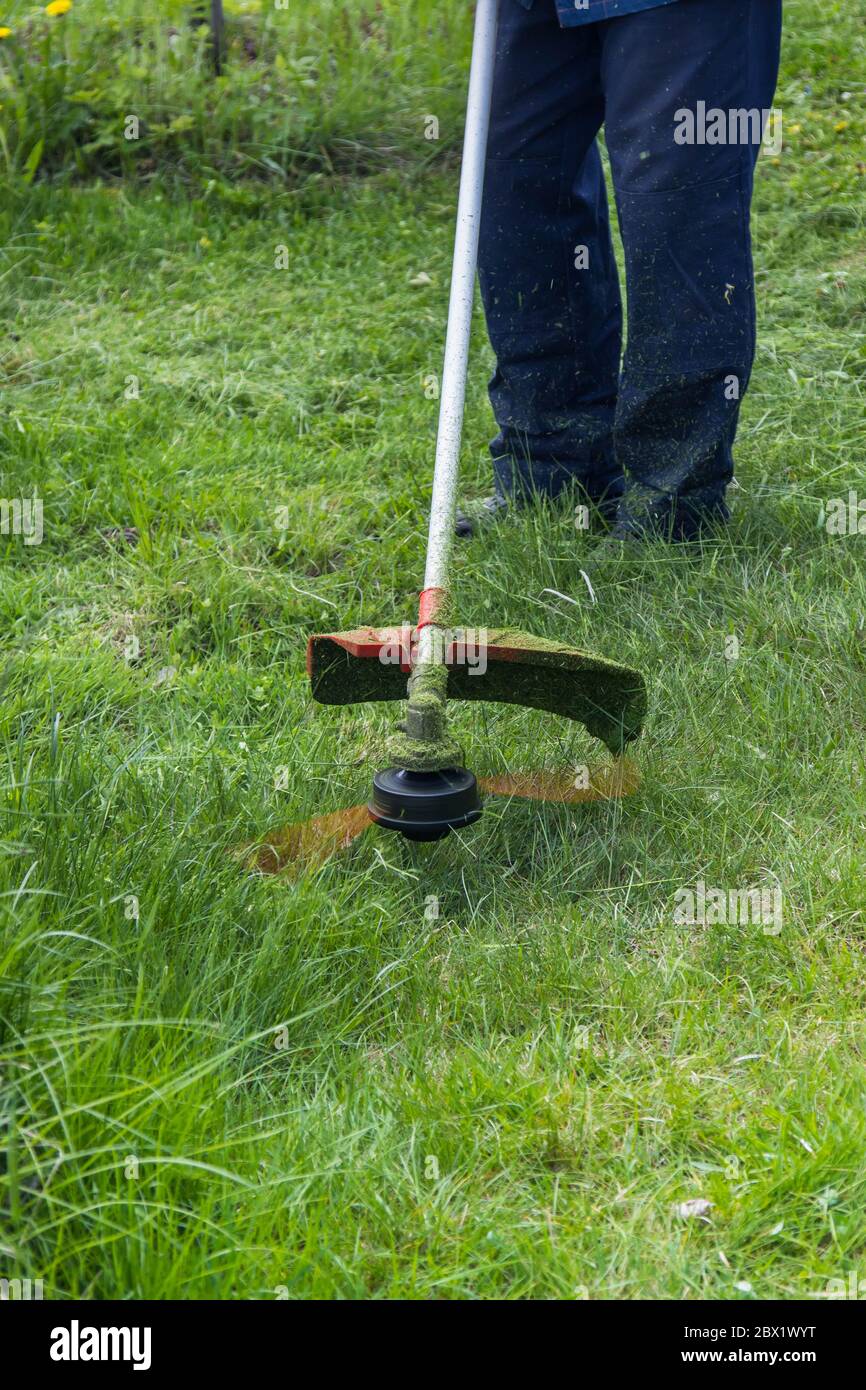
(424,805)
(304,845)
(426,794)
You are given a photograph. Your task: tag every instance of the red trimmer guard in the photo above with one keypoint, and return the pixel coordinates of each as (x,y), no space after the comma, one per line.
(507,667)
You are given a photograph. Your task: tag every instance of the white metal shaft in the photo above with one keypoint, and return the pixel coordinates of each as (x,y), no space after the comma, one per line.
(453,395)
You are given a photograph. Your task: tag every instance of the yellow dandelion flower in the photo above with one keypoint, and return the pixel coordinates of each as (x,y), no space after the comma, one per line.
(4,32)
(58,7)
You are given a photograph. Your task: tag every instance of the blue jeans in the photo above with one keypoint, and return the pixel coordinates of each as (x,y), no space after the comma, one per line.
(654,427)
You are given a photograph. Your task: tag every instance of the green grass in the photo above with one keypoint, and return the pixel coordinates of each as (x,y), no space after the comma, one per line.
(308,89)
(319,1087)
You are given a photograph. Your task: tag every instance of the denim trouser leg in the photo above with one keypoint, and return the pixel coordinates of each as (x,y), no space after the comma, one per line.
(664,430)
(546,265)
(684,216)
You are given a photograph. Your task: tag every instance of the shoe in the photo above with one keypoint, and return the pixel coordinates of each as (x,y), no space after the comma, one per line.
(477,516)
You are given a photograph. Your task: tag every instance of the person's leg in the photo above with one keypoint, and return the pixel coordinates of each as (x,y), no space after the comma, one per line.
(684,216)
(546,265)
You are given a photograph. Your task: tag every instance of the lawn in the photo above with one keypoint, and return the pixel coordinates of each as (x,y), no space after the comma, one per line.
(489,1068)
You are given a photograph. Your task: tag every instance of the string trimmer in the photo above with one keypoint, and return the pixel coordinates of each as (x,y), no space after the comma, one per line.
(426,792)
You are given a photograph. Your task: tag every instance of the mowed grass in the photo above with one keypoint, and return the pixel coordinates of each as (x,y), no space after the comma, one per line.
(484,1069)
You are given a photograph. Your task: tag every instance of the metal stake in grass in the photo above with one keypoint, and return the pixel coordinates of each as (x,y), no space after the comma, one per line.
(426,792)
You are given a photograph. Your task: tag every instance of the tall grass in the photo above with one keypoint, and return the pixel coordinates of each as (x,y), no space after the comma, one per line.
(130,89)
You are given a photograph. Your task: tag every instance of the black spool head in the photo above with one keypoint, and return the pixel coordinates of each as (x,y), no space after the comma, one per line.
(424,805)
